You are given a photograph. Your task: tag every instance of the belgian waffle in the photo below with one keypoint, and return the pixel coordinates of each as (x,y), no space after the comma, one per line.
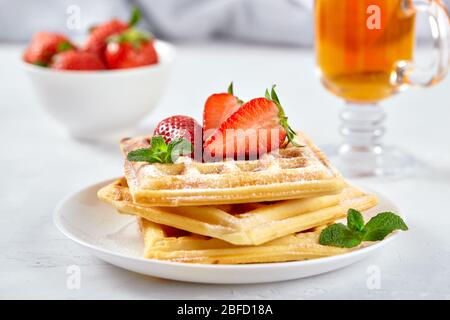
(176,245)
(244,224)
(289,173)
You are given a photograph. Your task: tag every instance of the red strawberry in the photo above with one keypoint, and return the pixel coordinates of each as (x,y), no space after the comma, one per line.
(77,60)
(130,49)
(96,41)
(181,127)
(218,107)
(259,126)
(44,46)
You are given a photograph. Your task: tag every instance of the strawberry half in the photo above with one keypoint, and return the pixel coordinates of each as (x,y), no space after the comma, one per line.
(258,127)
(44,46)
(218,108)
(181,127)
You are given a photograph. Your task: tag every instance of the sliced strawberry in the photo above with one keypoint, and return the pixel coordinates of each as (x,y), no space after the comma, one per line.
(218,108)
(181,127)
(259,126)
(44,46)
(77,60)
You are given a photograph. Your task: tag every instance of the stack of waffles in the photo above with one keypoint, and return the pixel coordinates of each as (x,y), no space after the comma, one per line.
(236,211)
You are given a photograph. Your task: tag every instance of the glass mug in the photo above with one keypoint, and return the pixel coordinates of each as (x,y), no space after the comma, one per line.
(364,50)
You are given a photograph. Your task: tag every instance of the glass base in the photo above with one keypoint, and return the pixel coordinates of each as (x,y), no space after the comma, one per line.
(376,161)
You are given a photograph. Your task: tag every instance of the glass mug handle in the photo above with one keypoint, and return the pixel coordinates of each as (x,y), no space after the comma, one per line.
(407,72)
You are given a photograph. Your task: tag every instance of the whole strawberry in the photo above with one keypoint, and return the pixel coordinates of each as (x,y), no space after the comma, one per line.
(77,60)
(130,49)
(259,126)
(44,45)
(218,107)
(181,127)
(96,42)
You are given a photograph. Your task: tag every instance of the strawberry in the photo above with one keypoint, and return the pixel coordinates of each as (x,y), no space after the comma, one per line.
(218,107)
(77,60)
(257,127)
(181,127)
(44,46)
(130,49)
(96,41)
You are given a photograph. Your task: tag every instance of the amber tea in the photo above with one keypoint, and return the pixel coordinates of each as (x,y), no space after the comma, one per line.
(358,43)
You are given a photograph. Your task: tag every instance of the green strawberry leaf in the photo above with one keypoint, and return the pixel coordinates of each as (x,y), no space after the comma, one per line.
(231,91)
(339,235)
(64,46)
(381,225)
(133,36)
(355,220)
(230,88)
(40,63)
(135,17)
(290,133)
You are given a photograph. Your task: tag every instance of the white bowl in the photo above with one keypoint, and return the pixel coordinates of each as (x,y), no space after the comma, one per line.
(96,104)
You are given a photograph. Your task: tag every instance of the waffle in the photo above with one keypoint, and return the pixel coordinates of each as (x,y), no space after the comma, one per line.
(289,173)
(243,224)
(176,245)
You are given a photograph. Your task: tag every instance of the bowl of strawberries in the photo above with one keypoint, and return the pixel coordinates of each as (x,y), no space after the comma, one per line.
(104,86)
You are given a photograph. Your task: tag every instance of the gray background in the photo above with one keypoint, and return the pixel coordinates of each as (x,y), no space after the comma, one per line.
(276,22)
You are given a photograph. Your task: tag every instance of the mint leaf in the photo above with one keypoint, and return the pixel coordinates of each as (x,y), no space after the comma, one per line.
(355,220)
(160,152)
(339,235)
(157,143)
(383,224)
(140,155)
(179,147)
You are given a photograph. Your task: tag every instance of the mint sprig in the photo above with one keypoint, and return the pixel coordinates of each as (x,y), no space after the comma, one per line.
(161,152)
(355,232)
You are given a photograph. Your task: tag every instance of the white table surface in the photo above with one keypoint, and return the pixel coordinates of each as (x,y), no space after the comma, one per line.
(40,164)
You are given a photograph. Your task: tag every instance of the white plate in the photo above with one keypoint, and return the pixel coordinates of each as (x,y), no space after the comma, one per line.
(115,238)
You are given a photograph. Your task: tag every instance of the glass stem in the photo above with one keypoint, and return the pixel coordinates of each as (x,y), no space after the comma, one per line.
(362,126)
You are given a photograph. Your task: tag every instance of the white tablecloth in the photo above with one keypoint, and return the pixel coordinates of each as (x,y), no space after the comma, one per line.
(40,165)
